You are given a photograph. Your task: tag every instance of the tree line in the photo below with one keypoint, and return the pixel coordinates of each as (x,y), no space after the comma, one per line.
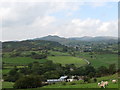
(36,73)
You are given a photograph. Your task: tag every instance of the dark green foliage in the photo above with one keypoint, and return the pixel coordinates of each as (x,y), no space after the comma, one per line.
(86,79)
(39,56)
(28,45)
(89,69)
(112,69)
(95,79)
(28,82)
(102,70)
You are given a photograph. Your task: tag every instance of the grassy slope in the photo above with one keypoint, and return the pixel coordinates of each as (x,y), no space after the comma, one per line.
(87,85)
(67,60)
(100,59)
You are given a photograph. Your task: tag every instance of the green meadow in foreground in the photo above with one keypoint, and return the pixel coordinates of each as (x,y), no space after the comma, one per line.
(80,84)
(75,84)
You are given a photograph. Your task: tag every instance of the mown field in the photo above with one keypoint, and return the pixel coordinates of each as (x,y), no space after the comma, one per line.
(67,60)
(75,84)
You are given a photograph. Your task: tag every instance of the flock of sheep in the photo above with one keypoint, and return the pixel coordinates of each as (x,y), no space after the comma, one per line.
(103,84)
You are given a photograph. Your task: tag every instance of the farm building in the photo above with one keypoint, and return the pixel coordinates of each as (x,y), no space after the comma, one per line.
(61,79)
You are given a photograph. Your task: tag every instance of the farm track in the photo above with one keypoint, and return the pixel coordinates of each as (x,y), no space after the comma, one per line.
(85,60)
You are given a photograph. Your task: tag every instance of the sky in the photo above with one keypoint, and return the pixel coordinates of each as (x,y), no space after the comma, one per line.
(26,20)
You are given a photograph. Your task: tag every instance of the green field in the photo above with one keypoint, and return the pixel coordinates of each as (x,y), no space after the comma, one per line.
(79,84)
(5,71)
(22,60)
(100,59)
(67,60)
(7,85)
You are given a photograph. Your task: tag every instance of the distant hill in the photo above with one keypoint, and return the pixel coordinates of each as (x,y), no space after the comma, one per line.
(52,38)
(78,40)
(29,45)
(100,38)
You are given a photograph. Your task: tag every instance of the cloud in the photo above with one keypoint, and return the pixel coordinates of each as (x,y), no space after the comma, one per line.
(31,20)
(89,27)
(43,22)
(73,28)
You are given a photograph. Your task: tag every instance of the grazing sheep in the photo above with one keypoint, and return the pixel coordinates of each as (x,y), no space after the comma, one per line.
(106,83)
(114,81)
(103,84)
(98,84)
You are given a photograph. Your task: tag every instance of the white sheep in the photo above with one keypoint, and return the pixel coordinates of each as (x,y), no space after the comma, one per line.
(102,85)
(114,81)
(98,84)
(106,83)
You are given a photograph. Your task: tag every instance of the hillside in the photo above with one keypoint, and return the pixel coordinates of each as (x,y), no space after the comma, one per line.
(30,45)
(71,39)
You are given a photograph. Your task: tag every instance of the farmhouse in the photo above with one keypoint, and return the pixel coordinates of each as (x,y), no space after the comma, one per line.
(61,79)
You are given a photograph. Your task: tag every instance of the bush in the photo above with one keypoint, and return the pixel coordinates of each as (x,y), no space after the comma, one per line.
(95,80)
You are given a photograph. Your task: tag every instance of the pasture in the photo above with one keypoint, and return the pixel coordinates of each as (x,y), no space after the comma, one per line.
(98,59)
(67,60)
(21,60)
(81,84)
(74,84)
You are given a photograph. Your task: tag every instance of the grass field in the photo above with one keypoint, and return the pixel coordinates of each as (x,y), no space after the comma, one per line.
(100,59)
(5,71)
(78,84)
(67,60)
(22,60)
(7,85)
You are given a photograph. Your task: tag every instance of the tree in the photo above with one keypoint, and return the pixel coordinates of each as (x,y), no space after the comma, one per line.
(89,69)
(28,82)
(102,70)
(112,68)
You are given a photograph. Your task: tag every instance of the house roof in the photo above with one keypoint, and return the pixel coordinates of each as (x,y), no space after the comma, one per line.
(63,77)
